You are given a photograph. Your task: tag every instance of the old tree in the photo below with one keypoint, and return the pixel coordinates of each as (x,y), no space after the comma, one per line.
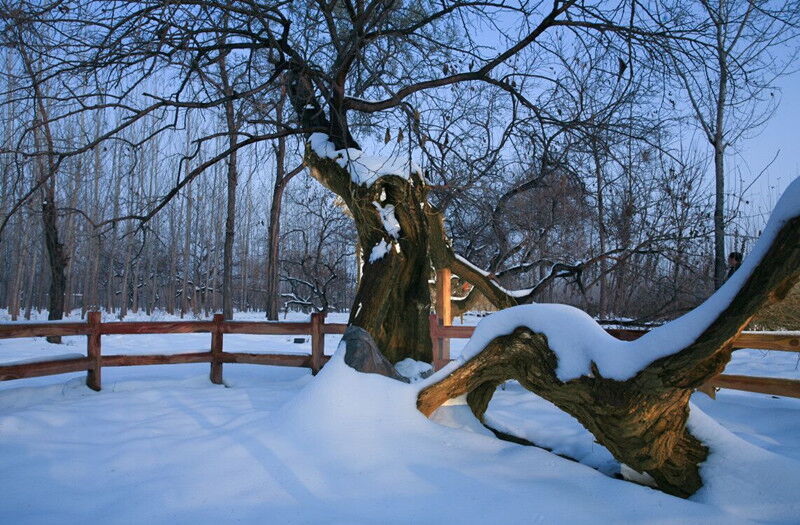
(351,68)
(642,419)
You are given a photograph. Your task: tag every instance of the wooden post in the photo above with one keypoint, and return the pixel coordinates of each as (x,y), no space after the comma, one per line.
(216,349)
(444,296)
(441,346)
(317,341)
(93,375)
(444,312)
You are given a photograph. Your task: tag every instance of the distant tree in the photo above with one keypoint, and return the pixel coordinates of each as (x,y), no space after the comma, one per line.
(46,163)
(727,64)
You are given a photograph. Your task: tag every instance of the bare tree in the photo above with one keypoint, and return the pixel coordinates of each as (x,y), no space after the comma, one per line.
(728,71)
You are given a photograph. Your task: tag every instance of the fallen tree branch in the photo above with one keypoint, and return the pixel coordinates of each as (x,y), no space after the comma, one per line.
(639,417)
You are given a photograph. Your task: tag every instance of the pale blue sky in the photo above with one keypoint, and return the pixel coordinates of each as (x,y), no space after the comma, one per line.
(781,133)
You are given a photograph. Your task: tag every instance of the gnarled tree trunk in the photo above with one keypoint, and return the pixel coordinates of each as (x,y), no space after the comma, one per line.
(393,300)
(642,421)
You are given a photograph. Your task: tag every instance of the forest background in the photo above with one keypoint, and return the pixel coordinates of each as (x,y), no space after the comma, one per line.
(606,202)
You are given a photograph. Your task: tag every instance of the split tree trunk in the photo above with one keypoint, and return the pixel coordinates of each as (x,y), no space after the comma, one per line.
(642,421)
(393,299)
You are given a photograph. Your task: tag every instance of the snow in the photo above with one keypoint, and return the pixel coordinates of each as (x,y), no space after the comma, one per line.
(413,370)
(744,479)
(364,169)
(161,444)
(388,218)
(380,249)
(516,411)
(578,341)
(466,262)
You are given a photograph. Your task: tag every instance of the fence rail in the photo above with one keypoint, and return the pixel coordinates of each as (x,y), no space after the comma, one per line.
(94,362)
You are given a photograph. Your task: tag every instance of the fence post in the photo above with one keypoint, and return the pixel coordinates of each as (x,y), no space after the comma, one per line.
(444,295)
(444,314)
(93,375)
(441,351)
(216,349)
(317,341)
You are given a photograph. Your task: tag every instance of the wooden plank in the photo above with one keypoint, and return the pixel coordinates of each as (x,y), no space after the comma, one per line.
(784,343)
(763,385)
(317,341)
(456,332)
(433,326)
(444,313)
(216,350)
(298,360)
(93,375)
(44,368)
(437,338)
(334,328)
(9,331)
(157,327)
(265,328)
(444,295)
(151,359)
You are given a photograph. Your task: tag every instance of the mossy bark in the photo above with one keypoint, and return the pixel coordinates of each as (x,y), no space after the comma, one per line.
(393,300)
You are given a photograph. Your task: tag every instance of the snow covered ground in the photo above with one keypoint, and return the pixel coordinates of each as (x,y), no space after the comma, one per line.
(161,444)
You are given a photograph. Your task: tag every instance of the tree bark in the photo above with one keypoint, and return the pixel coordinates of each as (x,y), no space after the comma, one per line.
(56,257)
(282,178)
(48,167)
(720,265)
(719,145)
(232,177)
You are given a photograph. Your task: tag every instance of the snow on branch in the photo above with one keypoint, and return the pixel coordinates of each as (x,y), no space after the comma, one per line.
(583,348)
(364,169)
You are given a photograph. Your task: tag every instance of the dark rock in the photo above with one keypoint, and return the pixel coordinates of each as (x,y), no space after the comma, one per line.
(362,354)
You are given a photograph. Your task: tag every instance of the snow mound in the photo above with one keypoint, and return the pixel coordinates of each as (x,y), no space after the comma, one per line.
(156,446)
(364,169)
(744,479)
(375,440)
(413,370)
(579,341)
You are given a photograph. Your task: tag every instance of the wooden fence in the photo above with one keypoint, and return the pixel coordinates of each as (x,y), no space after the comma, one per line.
(758,340)
(94,362)
(94,329)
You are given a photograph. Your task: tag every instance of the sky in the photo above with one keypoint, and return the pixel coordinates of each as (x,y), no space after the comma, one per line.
(781,135)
